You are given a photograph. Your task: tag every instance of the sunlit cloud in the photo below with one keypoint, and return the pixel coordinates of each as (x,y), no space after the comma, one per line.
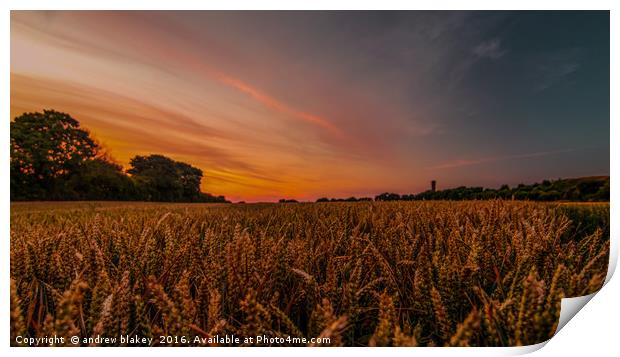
(279,106)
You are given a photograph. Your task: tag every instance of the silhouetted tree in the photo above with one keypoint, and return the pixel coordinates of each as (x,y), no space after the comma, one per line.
(164,179)
(45,149)
(101,179)
(207,197)
(603,192)
(284,200)
(387,197)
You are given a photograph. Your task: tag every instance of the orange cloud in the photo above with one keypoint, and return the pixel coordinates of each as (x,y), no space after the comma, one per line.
(277,105)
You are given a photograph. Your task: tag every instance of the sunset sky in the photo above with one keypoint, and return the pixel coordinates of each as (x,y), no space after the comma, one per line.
(311,104)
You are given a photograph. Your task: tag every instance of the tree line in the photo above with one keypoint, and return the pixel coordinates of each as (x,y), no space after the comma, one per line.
(53,158)
(585,189)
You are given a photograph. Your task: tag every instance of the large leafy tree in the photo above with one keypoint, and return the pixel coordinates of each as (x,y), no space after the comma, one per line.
(45,149)
(165,179)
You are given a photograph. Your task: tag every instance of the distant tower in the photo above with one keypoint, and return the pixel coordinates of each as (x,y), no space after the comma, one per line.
(433,185)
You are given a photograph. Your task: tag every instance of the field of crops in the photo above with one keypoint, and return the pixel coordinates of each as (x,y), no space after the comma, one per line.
(484,273)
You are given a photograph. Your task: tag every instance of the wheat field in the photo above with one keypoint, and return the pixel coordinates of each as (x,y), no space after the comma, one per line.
(478,273)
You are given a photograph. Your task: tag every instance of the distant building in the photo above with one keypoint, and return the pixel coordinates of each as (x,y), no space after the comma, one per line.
(433,185)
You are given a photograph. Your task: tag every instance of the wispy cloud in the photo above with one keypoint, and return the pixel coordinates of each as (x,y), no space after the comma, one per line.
(490,49)
(484,160)
(556,73)
(554,67)
(485,50)
(277,105)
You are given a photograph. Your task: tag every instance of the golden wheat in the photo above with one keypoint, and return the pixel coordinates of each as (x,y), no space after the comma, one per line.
(369,273)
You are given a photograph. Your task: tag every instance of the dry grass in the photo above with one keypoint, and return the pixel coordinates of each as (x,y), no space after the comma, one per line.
(368,273)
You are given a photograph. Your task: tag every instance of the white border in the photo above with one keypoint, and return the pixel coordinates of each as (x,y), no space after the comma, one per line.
(594,329)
